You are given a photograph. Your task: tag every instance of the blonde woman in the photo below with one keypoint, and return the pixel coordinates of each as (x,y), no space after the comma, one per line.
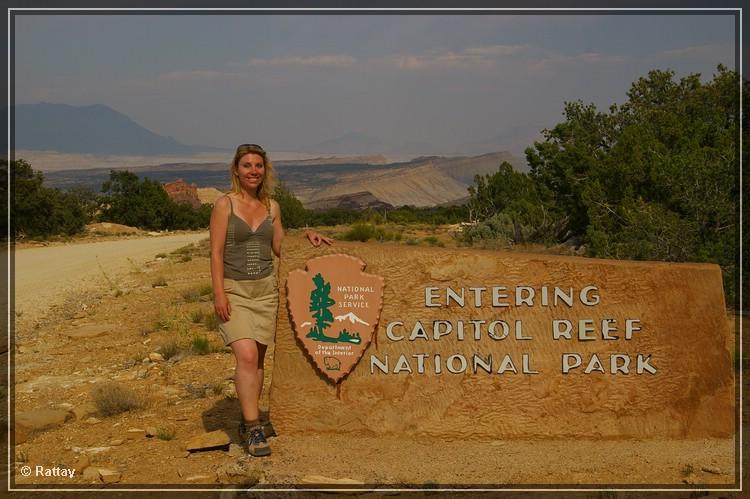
(245,232)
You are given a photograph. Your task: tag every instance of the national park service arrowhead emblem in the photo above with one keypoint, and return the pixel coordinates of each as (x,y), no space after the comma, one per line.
(335,308)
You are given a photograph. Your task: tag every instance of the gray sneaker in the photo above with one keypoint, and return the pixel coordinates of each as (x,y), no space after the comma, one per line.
(257,445)
(268,430)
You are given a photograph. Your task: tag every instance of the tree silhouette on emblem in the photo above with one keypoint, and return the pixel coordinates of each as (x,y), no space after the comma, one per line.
(320,303)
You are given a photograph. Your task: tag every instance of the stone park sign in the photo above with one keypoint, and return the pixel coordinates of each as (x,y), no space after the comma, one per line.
(479,344)
(335,324)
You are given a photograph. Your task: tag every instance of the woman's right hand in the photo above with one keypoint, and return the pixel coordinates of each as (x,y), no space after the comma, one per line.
(222,307)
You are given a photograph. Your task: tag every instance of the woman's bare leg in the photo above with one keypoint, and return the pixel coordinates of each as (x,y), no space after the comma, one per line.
(246,380)
(261,372)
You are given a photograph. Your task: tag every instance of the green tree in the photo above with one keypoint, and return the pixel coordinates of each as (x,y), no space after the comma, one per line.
(652,179)
(145,204)
(508,206)
(320,303)
(137,203)
(39,211)
(293,214)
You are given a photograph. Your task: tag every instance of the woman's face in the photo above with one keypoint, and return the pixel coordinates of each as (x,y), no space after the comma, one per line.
(251,170)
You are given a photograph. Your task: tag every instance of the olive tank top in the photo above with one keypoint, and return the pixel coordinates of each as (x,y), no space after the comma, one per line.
(247,252)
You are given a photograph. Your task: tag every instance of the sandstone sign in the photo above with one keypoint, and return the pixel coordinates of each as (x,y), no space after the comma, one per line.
(334,308)
(479,344)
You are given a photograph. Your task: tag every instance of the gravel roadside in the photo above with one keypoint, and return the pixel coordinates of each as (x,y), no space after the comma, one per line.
(45,276)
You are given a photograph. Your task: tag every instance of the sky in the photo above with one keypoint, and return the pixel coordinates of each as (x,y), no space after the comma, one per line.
(288,81)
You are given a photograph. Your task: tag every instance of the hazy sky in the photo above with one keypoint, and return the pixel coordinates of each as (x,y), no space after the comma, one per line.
(290,80)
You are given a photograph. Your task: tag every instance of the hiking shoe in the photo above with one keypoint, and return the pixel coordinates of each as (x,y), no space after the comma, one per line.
(257,445)
(268,430)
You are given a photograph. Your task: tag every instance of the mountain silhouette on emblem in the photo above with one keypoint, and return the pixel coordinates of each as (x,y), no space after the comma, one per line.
(351,317)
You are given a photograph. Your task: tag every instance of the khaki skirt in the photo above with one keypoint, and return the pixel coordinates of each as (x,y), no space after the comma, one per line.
(253,306)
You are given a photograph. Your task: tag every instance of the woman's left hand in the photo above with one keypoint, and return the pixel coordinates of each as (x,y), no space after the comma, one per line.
(316,238)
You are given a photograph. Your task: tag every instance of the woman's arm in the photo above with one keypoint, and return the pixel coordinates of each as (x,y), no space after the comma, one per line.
(278,230)
(218,234)
(316,238)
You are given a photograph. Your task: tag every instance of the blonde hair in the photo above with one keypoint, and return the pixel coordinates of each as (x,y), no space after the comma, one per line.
(266,186)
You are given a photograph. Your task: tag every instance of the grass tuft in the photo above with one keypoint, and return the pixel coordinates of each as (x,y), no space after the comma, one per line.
(163,433)
(191,295)
(433,241)
(201,346)
(206,289)
(169,349)
(197,316)
(687,470)
(211,321)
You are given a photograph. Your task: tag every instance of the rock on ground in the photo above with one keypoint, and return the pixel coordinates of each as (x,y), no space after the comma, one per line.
(206,441)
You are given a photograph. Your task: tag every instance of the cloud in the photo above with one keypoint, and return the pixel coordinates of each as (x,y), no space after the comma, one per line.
(710,53)
(551,61)
(323,60)
(496,50)
(236,71)
(191,75)
(472,57)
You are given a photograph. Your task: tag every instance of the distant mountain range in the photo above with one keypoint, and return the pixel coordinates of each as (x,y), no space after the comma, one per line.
(99,129)
(424,181)
(95,129)
(363,179)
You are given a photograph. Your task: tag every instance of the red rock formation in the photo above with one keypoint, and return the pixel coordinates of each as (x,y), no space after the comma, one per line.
(181,192)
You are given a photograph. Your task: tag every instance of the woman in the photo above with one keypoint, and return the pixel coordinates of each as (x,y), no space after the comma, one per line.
(245,229)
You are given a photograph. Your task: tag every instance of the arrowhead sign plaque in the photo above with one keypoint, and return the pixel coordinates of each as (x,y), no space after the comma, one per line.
(334,308)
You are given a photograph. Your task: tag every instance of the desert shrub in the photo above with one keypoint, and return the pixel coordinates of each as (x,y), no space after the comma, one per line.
(366,231)
(184,250)
(498,227)
(111,398)
(387,235)
(433,241)
(360,232)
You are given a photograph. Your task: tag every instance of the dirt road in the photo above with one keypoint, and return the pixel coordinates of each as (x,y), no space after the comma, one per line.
(44,276)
